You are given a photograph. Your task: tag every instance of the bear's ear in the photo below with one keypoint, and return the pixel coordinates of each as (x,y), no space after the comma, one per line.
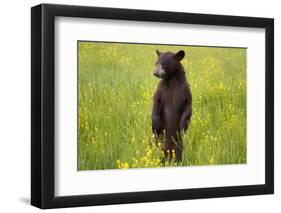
(158,52)
(179,55)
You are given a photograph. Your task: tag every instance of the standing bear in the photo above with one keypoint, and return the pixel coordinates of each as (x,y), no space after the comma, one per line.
(172,100)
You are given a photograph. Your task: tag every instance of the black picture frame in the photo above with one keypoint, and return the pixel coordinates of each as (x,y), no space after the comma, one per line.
(43,102)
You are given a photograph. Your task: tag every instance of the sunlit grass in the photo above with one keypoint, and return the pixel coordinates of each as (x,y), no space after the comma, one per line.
(115,90)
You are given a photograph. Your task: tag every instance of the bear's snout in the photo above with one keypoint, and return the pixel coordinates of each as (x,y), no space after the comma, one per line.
(159,74)
(159,71)
(156,74)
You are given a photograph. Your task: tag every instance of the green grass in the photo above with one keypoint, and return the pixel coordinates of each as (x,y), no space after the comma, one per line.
(115,90)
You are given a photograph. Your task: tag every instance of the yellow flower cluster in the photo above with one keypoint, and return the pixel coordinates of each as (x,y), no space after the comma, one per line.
(121,165)
(149,158)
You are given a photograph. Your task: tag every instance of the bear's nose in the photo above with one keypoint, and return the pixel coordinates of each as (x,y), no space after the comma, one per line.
(155,73)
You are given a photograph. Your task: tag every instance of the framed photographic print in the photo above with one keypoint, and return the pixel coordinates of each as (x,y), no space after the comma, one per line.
(138,106)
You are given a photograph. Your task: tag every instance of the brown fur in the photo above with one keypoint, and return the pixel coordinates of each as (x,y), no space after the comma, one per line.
(172,103)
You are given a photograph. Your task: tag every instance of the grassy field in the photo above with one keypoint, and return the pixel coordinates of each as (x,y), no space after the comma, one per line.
(115,90)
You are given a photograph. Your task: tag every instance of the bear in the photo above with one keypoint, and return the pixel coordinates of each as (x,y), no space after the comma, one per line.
(172,103)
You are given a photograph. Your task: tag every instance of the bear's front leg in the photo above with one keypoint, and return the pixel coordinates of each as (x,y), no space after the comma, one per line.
(185,117)
(156,116)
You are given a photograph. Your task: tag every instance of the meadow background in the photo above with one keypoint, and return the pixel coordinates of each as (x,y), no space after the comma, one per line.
(115,89)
